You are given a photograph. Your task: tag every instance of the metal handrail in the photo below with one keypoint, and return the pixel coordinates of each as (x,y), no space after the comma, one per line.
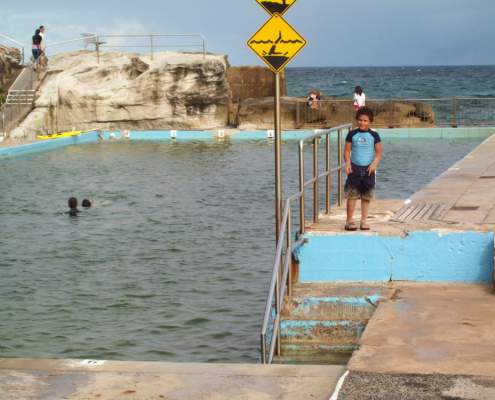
(281,281)
(409,99)
(99,42)
(15,42)
(152,44)
(82,39)
(420,112)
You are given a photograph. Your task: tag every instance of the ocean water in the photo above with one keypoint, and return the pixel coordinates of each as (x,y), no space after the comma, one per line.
(394,82)
(173,262)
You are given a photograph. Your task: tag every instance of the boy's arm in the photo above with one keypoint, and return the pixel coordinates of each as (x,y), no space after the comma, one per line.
(378,157)
(347,157)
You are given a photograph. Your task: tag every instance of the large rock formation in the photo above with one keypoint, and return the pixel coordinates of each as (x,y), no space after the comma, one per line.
(130,91)
(182,91)
(10,67)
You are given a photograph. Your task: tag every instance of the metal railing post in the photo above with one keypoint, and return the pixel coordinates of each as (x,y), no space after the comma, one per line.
(3,123)
(278,157)
(302,211)
(151,46)
(328,189)
(315,184)
(454,112)
(340,182)
(263,349)
(298,115)
(289,252)
(277,310)
(97,45)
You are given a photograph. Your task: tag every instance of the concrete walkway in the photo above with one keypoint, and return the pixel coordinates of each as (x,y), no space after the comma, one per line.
(467,188)
(431,329)
(23,379)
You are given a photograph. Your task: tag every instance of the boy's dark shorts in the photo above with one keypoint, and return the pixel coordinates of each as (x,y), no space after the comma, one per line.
(360,184)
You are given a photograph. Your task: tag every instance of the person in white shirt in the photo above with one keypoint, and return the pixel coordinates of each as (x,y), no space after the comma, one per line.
(42,47)
(43,43)
(359,98)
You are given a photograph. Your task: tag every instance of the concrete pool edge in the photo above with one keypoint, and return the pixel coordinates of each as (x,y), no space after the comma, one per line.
(83,379)
(234,136)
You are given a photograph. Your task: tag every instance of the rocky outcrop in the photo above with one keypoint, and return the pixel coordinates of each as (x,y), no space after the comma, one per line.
(296,114)
(10,60)
(130,91)
(182,91)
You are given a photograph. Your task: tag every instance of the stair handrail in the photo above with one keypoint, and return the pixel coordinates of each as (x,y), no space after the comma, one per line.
(281,280)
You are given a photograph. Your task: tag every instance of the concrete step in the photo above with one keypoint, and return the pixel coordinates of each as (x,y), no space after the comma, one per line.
(323,322)
(315,357)
(332,302)
(322,333)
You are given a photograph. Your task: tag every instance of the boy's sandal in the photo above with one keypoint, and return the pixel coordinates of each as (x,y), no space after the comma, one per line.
(365,227)
(350,226)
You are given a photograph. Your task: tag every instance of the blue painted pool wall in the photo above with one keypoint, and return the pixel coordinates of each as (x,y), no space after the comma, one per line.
(208,136)
(46,145)
(429,256)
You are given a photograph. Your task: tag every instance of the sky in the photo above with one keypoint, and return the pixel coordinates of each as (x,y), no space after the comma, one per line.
(339,32)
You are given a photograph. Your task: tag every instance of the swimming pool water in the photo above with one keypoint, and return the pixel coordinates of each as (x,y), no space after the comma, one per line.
(173,261)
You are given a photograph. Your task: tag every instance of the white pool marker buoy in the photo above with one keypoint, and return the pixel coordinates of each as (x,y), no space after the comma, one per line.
(221,134)
(270,133)
(173,134)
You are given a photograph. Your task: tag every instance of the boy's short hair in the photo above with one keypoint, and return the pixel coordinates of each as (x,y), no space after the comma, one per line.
(365,111)
(72,202)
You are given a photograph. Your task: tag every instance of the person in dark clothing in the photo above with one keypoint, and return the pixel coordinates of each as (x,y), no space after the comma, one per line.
(36,45)
(86,203)
(73,210)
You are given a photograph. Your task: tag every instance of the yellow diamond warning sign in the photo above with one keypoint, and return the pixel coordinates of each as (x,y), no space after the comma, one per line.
(276,43)
(276,6)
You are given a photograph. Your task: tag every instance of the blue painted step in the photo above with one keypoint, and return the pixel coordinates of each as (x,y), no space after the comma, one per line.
(325,322)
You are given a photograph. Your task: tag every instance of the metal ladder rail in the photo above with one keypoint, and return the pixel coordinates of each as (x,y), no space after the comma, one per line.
(281,281)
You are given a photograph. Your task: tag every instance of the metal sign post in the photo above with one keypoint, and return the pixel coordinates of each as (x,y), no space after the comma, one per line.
(277,43)
(278,158)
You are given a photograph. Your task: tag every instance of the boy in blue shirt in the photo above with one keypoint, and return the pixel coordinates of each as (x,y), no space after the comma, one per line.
(363,152)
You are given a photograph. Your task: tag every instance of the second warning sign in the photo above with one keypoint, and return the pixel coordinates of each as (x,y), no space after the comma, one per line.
(276,43)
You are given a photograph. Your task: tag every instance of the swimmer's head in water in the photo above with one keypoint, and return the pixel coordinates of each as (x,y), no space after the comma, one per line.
(86,203)
(72,202)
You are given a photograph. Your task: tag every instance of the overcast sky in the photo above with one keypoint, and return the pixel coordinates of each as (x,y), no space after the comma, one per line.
(339,32)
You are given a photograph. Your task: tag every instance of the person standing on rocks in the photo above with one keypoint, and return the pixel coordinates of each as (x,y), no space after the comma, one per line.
(36,48)
(359,98)
(43,58)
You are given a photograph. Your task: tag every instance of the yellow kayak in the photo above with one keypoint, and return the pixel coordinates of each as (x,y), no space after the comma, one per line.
(59,135)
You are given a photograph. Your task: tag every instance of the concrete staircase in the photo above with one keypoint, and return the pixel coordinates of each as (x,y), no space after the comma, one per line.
(322,323)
